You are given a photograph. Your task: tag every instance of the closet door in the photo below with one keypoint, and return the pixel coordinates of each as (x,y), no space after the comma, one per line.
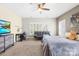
(62,27)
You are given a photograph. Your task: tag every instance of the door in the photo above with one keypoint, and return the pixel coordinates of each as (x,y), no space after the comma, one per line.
(62,28)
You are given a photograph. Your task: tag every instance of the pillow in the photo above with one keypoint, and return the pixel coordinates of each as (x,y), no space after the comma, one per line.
(71,35)
(78,37)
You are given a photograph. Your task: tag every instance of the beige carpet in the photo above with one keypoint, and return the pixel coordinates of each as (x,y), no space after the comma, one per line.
(30,47)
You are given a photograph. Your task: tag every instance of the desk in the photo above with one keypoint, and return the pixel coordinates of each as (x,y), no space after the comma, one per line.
(17,37)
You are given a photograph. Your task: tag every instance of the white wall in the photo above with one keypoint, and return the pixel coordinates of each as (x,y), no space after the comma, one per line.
(51,23)
(11,16)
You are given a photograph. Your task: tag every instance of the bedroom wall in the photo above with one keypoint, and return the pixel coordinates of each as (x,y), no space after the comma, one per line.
(67,16)
(51,24)
(9,15)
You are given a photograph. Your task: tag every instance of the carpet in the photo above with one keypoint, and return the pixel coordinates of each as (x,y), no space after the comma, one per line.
(30,47)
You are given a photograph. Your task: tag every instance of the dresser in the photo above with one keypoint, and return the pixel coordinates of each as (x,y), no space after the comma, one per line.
(6,41)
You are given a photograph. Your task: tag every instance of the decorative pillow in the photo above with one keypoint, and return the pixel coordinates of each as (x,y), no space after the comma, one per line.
(78,37)
(71,35)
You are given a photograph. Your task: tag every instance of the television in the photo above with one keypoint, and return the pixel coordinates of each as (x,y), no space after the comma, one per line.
(4,27)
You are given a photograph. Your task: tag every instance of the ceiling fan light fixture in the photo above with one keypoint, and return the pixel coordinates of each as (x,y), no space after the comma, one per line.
(39,9)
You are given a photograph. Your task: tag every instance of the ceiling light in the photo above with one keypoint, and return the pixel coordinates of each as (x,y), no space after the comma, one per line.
(39,9)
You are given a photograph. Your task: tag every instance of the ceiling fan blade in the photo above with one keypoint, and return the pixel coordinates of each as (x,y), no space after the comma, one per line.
(45,9)
(39,6)
(43,4)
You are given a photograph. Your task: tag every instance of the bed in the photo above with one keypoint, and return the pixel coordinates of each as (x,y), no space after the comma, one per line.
(59,46)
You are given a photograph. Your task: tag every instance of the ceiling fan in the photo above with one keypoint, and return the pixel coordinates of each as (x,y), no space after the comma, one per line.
(41,7)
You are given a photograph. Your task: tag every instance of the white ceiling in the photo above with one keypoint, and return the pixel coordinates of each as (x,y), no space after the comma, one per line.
(30,9)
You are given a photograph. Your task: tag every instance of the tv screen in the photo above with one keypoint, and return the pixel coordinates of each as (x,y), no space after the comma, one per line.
(4,27)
